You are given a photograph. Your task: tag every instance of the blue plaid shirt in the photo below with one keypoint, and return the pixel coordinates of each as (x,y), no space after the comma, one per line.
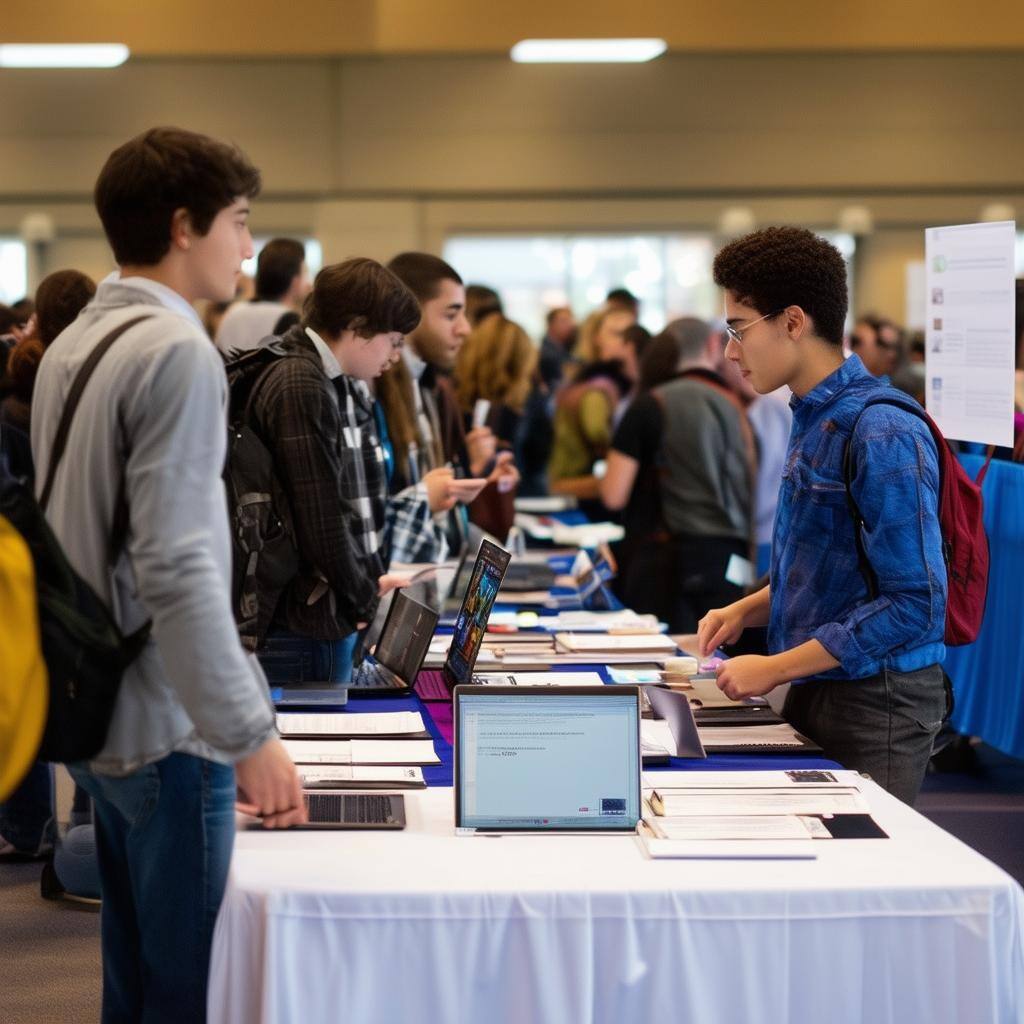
(817,589)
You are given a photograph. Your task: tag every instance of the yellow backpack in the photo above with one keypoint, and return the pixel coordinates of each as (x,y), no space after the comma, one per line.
(24,692)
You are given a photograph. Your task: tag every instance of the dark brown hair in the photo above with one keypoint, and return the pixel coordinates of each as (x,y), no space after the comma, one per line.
(158,172)
(279,263)
(60,297)
(423,273)
(779,267)
(362,296)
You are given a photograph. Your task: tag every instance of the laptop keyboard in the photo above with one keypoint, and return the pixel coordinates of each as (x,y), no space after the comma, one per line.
(358,809)
(370,674)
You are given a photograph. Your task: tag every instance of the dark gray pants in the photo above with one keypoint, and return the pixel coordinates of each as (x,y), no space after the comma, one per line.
(883,725)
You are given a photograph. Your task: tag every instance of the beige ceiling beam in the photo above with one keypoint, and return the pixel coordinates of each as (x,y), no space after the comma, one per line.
(241,28)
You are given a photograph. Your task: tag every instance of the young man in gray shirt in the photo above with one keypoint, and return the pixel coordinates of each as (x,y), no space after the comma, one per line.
(193,729)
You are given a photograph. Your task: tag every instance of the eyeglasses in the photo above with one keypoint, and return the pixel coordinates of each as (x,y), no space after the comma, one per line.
(736,334)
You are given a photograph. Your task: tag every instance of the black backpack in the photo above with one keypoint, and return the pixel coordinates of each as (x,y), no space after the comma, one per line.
(265,556)
(85,651)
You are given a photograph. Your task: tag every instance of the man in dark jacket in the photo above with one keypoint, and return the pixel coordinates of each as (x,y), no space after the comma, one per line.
(305,411)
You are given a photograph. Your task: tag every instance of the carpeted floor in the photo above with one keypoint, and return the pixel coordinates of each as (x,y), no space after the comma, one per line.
(50,952)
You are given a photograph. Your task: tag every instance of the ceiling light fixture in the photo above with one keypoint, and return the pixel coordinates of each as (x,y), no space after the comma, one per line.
(587,51)
(61,55)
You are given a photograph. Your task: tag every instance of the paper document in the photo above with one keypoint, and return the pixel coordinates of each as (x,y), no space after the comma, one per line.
(362,751)
(656,737)
(386,723)
(539,679)
(672,803)
(674,849)
(343,776)
(738,827)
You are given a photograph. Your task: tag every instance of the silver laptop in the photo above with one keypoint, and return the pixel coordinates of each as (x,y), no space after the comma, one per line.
(539,759)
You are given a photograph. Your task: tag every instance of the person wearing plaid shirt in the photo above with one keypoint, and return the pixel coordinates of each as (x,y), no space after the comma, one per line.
(315,413)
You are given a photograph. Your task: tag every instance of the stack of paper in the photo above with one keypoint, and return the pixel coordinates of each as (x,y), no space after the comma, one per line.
(384,724)
(603,643)
(397,752)
(346,776)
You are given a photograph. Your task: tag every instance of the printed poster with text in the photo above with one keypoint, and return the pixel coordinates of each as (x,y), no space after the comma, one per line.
(969,340)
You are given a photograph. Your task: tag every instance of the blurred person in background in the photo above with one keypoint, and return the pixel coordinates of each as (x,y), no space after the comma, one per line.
(878,343)
(498,364)
(59,299)
(282,284)
(481,301)
(623,298)
(595,330)
(682,466)
(556,345)
(588,410)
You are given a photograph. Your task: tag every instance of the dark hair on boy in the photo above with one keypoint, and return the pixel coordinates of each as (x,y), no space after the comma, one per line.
(362,296)
(639,337)
(423,273)
(622,298)
(681,341)
(279,263)
(60,297)
(162,170)
(785,266)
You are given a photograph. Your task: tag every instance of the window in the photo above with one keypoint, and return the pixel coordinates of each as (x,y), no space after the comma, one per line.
(669,273)
(13,270)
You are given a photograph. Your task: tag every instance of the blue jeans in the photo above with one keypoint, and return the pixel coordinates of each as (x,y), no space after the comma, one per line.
(26,817)
(164,837)
(288,658)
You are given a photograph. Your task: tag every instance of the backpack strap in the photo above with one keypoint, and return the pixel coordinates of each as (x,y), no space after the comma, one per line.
(870,579)
(60,439)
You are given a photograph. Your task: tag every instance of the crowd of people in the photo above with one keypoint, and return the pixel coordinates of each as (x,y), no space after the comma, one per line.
(366,418)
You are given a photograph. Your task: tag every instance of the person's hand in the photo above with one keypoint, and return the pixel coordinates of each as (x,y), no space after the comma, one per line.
(481,445)
(505,473)
(269,786)
(749,675)
(719,626)
(392,581)
(440,494)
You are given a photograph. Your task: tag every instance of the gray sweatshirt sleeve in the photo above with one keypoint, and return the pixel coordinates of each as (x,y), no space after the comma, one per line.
(180,548)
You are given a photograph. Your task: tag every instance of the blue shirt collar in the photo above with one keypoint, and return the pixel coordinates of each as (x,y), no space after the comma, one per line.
(849,373)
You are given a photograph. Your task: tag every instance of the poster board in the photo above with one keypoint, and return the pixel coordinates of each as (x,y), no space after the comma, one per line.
(969,330)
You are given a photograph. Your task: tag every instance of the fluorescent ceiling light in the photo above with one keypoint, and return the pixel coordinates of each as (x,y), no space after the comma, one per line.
(587,51)
(60,55)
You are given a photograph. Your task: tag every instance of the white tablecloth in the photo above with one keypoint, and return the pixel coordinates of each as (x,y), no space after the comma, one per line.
(426,926)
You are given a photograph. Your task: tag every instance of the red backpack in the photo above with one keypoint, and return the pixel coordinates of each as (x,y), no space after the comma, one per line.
(964,541)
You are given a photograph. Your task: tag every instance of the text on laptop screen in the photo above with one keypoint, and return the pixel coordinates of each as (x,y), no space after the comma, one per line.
(549,761)
(471,623)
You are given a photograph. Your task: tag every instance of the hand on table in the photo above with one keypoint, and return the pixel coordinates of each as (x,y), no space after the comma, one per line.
(391,581)
(269,786)
(749,675)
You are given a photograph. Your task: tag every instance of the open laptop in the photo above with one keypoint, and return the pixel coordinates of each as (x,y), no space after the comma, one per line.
(470,625)
(403,644)
(547,760)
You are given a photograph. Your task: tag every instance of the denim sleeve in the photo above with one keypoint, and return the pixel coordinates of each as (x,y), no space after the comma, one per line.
(896,488)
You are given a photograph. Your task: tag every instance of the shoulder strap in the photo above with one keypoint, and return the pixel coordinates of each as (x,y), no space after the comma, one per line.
(60,439)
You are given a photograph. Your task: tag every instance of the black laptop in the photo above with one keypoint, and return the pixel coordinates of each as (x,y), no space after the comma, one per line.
(403,644)
(470,625)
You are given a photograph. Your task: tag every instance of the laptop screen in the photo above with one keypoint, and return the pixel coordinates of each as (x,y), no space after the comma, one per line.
(471,622)
(546,760)
(406,637)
